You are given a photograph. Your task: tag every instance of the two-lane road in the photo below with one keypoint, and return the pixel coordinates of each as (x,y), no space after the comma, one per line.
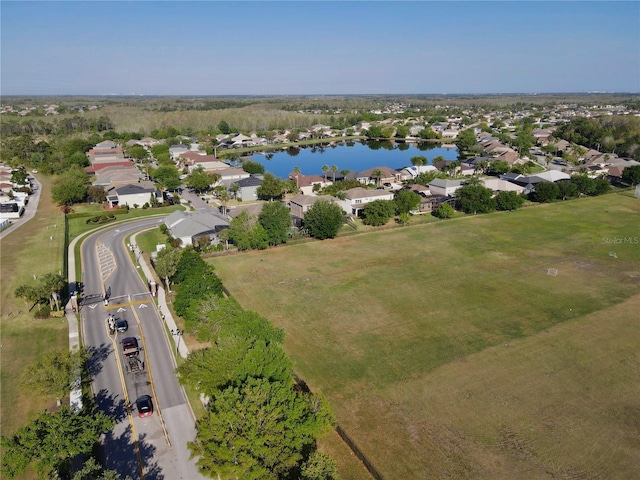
(150,447)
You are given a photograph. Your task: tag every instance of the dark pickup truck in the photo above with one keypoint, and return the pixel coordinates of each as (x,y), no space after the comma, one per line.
(130,347)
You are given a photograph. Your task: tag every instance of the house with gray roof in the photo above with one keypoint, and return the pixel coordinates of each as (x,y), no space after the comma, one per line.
(176,150)
(190,226)
(133,195)
(248,187)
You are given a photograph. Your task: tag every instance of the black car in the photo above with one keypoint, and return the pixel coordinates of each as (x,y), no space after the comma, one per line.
(122,325)
(144,406)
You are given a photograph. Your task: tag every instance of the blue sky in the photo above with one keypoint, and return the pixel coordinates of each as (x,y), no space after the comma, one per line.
(306,47)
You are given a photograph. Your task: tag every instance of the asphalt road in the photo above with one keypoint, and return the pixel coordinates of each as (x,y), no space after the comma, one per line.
(29,210)
(153,447)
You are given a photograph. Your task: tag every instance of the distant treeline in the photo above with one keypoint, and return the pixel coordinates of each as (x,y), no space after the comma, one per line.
(14,126)
(619,134)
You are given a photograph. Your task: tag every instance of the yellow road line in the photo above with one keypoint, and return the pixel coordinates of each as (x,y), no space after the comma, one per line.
(128,304)
(153,388)
(134,433)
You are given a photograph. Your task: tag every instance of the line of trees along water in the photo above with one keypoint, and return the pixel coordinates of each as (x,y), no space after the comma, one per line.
(350,155)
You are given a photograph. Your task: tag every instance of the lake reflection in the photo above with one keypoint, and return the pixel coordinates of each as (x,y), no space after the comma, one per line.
(352,155)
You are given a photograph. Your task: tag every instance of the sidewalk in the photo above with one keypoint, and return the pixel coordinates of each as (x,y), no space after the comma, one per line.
(75,398)
(29,211)
(163,308)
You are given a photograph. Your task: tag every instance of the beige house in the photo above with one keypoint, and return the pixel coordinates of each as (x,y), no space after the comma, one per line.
(301,203)
(441,186)
(498,185)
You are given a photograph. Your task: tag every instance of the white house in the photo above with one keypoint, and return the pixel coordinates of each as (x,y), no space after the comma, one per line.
(442,186)
(357,198)
(133,194)
(231,174)
(10,210)
(416,170)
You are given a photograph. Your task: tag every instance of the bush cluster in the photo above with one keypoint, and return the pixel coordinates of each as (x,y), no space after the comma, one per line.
(100,219)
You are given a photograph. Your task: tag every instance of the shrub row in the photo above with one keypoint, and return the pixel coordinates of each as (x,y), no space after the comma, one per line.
(120,211)
(100,219)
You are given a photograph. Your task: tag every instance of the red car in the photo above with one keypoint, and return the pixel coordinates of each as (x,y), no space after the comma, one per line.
(144,406)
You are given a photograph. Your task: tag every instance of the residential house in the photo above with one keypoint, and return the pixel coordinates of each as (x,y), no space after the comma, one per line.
(253,209)
(133,195)
(208,163)
(10,210)
(240,141)
(357,198)
(149,142)
(320,131)
(300,203)
(529,182)
(428,201)
(415,170)
(508,155)
(105,152)
(231,174)
(500,185)
(248,187)
(446,187)
(6,187)
(189,227)
(96,168)
(449,133)
(307,183)
(176,150)
(387,175)
(116,176)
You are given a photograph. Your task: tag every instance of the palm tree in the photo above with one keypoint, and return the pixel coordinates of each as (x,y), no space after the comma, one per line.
(296,173)
(215,178)
(333,169)
(474,180)
(234,189)
(344,173)
(223,195)
(325,169)
(377,174)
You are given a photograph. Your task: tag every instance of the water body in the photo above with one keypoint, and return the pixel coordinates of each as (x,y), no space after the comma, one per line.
(356,156)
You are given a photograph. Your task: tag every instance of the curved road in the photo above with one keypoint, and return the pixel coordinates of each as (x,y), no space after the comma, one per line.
(154,447)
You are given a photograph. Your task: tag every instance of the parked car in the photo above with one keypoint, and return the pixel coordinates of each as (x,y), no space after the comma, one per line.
(122,325)
(144,406)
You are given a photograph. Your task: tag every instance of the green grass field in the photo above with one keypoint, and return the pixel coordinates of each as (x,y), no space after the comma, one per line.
(495,346)
(35,248)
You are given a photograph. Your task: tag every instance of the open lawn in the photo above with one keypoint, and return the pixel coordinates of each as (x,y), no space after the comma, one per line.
(35,248)
(494,346)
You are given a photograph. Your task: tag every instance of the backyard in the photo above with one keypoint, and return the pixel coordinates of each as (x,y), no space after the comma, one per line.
(496,346)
